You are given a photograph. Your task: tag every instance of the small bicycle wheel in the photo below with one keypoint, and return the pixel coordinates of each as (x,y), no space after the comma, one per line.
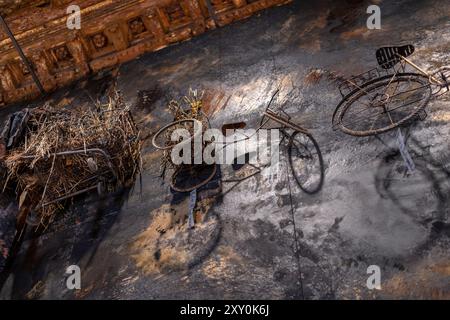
(162,139)
(383,104)
(306,162)
(190,177)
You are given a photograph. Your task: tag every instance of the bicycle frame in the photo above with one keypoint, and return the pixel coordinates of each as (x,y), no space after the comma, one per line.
(273,116)
(431,78)
(415,66)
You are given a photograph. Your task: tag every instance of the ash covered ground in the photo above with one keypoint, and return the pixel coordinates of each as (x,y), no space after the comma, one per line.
(368,212)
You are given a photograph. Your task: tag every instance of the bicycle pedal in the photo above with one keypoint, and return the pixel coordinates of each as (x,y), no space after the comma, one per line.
(422,115)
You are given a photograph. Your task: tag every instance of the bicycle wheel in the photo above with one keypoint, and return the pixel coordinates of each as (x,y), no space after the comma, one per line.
(382,104)
(190,177)
(162,139)
(306,162)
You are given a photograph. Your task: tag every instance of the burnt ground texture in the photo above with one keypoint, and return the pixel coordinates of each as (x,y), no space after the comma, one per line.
(251,244)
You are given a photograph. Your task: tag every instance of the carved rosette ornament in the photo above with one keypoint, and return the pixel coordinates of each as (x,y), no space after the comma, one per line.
(137,26)
(62,54)
(100,41)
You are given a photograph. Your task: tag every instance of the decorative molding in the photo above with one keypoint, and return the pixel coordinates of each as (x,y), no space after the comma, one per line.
(112,32)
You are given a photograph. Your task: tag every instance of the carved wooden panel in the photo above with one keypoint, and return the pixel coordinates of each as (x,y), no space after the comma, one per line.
(112,32)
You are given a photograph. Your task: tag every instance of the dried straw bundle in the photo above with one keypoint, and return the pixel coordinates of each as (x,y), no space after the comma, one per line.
(64,153)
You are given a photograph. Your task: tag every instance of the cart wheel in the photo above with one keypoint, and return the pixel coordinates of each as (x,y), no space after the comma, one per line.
(382,104)
(306,162)
(190,177)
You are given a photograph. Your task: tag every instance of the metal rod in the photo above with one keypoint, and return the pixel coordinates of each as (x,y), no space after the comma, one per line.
(66,197)
(85,151)
(415,66)
(22,55)
(212,12)
(275,117)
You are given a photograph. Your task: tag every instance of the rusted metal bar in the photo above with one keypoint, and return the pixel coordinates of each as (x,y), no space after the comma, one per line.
(77,193)
(270,114)
(84,151)
(22,55)
(212,12)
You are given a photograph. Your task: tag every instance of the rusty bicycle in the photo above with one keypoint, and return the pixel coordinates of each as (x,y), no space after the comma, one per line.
(388,96)
(185,177)
(305,157)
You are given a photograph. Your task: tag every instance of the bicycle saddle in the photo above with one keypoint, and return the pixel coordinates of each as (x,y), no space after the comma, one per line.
(387,56)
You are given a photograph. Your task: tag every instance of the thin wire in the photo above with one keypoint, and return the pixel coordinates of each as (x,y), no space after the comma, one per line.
(297,250)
